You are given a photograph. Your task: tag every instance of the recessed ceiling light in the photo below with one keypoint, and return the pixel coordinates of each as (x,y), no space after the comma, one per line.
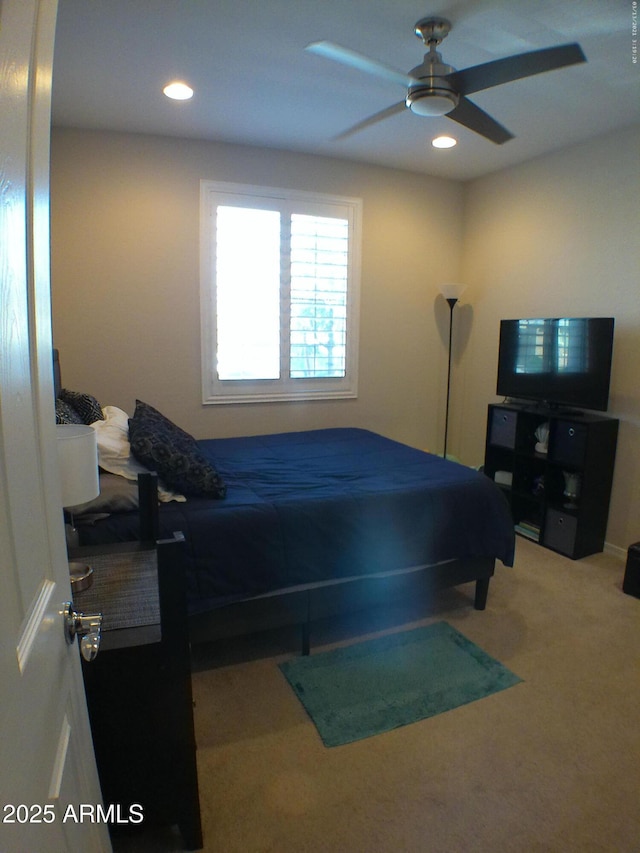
(178,91)
(444,142)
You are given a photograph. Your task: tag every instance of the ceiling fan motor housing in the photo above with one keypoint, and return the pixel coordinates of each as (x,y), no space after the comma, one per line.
(437,96)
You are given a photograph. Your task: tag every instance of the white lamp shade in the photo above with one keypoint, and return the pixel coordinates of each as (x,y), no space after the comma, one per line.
(452,291)
(78,463)
(432,104)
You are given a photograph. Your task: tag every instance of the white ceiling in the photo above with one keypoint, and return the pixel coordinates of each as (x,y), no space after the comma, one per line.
(255,84)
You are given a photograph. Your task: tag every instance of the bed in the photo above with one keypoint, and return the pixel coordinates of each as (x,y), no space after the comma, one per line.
(305,524)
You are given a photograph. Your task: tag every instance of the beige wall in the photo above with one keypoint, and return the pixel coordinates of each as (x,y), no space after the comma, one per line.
(125,237)
(555,236)
(558,236)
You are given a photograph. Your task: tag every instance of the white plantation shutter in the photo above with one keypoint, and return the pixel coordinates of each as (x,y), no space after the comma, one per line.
(319,285)
(279,294)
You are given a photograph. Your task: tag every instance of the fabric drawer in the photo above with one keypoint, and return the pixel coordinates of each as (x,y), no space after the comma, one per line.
(569,444)
(503,428)
(560,531)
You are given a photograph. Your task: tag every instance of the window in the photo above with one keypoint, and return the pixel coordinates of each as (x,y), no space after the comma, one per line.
(279,294)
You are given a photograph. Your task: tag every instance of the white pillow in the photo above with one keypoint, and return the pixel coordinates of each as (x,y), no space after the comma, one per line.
(114,450)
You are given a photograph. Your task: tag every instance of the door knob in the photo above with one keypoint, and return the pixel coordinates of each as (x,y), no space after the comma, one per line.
(87,628)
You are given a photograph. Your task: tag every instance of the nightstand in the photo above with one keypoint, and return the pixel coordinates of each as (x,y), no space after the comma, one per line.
(139,686)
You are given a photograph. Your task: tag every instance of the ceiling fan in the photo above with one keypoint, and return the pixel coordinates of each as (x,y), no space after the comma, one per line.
(437,89)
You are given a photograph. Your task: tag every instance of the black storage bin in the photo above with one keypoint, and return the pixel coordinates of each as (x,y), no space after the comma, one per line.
(631,582)
(560,531)
(569,444)
(503,428)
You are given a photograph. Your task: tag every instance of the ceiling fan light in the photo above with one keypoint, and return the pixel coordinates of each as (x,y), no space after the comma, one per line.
(431,102)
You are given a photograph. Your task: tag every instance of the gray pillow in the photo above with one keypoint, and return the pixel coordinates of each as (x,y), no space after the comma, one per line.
(117,494)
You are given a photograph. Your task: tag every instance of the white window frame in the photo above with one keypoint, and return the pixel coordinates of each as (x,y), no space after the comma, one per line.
(214,390)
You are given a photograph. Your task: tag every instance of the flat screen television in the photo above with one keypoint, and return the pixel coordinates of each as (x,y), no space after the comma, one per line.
(559,362)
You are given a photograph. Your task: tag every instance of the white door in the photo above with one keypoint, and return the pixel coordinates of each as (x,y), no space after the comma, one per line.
(48,782)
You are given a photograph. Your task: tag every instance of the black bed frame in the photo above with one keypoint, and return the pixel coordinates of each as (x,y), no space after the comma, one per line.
(305,604)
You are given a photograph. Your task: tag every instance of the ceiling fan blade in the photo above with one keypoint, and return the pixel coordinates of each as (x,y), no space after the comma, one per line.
(471,116)
(511,68)
(374,119)
(361,63)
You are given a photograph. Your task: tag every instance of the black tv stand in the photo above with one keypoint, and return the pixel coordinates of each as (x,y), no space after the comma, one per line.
(559,498)
(544,408)
(560,411)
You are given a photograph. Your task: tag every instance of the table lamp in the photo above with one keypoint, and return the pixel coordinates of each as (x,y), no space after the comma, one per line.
(78,465)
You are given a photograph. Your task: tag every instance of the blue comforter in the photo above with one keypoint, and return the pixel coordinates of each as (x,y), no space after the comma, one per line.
(324,504)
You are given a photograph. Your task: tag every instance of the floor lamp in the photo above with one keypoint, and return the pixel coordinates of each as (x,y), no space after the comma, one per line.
(451,292)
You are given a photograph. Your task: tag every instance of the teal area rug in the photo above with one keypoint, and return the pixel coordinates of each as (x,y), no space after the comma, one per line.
(362,690)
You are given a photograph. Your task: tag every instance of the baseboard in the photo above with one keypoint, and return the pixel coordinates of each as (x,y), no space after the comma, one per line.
(615,551)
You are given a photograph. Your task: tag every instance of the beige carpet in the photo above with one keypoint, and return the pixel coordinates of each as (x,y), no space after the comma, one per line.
(552,764)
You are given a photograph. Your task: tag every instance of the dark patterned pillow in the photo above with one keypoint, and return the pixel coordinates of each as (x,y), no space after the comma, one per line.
(170,451)
(87,406)
(66,414)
